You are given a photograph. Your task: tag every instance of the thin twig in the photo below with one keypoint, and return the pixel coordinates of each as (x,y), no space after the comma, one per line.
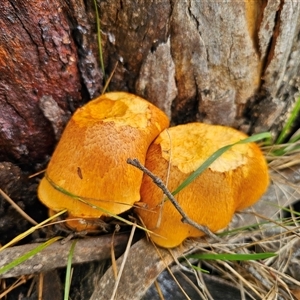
(37,173)
(241,278)
(16,284)
(17,207)
(123,262)
(109,78)
(185,219)
(276,223)
(99,38)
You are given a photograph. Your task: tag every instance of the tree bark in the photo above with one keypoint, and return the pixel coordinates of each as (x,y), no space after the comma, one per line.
(37,58)
(232,63)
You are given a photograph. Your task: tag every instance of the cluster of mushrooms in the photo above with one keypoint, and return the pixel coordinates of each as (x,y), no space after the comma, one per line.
(90,163)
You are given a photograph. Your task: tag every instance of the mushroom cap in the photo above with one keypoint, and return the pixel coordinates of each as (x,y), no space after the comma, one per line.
(234,181)
(90,158)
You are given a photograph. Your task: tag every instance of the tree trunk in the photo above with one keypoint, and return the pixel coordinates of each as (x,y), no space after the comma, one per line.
(222,62)
(232,63)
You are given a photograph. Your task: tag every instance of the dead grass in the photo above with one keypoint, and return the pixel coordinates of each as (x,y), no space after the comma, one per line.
(273,278)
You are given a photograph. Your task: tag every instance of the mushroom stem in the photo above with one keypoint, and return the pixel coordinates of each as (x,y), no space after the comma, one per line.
(185,219)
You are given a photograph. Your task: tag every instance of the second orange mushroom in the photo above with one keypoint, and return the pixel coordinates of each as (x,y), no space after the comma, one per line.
(236,180)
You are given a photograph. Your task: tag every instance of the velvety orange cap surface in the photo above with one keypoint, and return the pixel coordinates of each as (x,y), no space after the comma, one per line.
(90,158)
(234,181)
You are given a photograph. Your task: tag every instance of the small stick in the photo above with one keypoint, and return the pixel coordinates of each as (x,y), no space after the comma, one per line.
(125,255)
(185,219)
(17,207)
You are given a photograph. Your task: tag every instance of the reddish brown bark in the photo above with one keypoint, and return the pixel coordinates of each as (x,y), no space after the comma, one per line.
(37,58)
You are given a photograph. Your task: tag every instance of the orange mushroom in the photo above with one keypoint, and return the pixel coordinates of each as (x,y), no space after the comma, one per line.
(234,181)
(90,158)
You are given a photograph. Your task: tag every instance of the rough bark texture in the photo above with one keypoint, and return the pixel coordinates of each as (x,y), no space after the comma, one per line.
(46,68)
(37,58)
(229,63)
(232,63)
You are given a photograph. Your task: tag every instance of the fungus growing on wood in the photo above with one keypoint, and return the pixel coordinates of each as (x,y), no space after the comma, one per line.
(234,181)
(90,158)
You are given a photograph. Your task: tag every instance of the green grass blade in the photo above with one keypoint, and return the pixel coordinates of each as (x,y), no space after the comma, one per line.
(31,230)
(99,38)
(200,269)
(295,137)
(217,154)
(288,126)
(68,272)
(27,255)
(81,199)
(231,257)
(242,229)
